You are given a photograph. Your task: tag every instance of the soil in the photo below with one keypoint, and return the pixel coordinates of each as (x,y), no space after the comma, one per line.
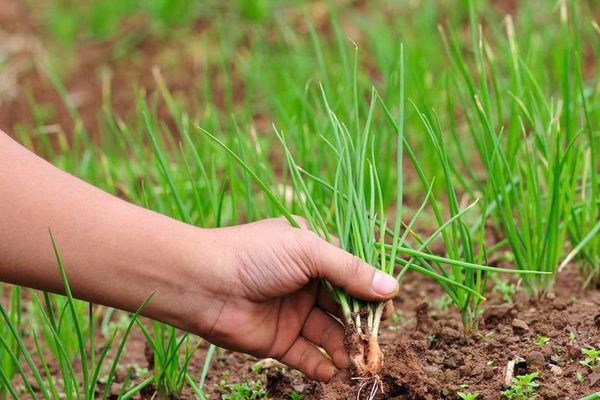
(426,354)
(428,357)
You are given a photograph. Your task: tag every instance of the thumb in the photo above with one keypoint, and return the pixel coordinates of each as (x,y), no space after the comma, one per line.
(350,273)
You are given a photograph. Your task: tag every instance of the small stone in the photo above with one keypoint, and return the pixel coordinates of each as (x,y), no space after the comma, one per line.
(489,372)
(594,378)
(493,344)
(574,352)
(560,303)
(299,387)
(267,363)
(551,296)
(556,370)
(477,370)
(597,320)
(453,360)
(535,360)
(555,359)
(494,314)
(519,326)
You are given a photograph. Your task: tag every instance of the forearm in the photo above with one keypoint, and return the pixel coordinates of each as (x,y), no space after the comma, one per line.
(114,253)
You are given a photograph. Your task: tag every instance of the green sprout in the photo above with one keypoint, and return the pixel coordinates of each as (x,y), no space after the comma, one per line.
(592,358)
(523,387)
(251,390)
(541,340)
(467,396)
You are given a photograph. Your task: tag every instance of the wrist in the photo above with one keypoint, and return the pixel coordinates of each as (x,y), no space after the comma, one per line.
(189,285)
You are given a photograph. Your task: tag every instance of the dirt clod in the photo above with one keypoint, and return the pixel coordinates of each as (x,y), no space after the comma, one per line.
(496,313)
(519,326)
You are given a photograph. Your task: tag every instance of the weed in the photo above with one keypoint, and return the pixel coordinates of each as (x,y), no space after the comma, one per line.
(467,396)
(523,387)
(293,395)
(541,340)
(505,288)
(592,358)
(251,390)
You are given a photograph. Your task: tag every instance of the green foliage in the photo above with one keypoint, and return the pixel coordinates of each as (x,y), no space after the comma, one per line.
(592,358)
(293,395)
(504,130)
(523,387)
(251,390)
(505,288)
(9,350)
(84,384)
(467,396)
(97,19)
(541,340)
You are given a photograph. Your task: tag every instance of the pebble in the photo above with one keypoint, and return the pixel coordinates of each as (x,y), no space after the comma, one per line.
(489,372)
(494,314)
(594,378)
(556,370)
(560,303)
(535,360)
(477,370)
(454,360)
(519,326)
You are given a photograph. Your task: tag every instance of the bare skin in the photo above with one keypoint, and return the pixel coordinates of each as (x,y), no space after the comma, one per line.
(252,288)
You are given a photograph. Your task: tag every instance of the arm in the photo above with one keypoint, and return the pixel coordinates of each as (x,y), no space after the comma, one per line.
(252,288)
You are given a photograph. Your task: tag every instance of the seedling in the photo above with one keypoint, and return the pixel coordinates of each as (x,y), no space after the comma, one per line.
(293,395)
(541,340)
(592,358)
(523,387)
(572,336)
(251,390)
(467,396)
(505,288)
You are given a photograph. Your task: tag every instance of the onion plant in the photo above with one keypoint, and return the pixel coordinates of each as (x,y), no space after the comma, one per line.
(10,354)
(353,212)
(532,162)
(584,227)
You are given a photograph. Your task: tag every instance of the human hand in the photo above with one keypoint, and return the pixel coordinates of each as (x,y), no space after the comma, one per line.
(266,298)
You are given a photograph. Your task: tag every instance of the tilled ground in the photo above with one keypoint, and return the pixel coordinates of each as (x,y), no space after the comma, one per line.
(428,357)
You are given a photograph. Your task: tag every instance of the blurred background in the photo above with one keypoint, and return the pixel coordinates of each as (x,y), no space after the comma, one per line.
(97,49)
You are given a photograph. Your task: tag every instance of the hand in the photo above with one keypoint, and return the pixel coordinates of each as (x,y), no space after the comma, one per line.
(266,298)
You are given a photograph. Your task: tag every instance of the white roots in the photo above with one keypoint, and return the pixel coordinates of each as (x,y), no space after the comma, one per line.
(374,382)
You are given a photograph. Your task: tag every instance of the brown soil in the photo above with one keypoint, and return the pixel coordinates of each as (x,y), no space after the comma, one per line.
(428,357)
(436,361)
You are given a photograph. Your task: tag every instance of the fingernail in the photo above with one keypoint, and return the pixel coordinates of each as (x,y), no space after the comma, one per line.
(384,284)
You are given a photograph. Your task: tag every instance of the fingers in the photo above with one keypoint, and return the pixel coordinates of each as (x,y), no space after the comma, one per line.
(328,304)
(350,273)
(324,331)
(304,356)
